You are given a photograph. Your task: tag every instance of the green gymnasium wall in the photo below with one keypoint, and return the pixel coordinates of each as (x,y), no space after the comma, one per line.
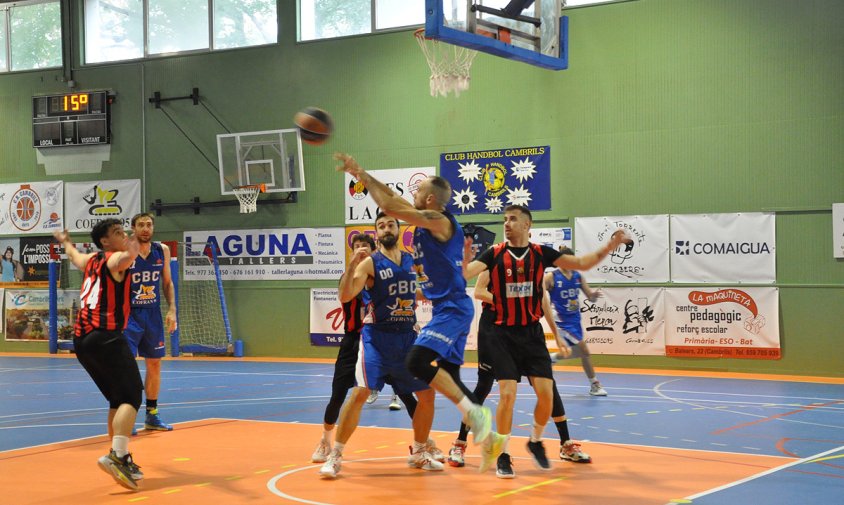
(669,106)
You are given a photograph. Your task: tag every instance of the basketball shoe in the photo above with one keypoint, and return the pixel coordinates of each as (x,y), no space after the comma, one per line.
(479,419)
(372,397)
(537,451)
(492,448)
(434,451)
(456,454)
(597,390)
(154,422)
(423,459)
(322,451)
(120,469)
(394,403)
(571,451)
(332,465)
(505,467)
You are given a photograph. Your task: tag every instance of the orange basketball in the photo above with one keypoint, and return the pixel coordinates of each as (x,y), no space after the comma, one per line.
(314,124)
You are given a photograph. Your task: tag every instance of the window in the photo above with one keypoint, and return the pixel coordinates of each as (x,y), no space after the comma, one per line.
(322,19)
(31,35)
(114,29)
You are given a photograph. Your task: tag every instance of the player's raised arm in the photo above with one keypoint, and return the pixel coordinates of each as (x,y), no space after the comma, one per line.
(360,270)
(589,260)
(78,259)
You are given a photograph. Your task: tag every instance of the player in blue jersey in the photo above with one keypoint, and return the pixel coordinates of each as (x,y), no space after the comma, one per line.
(386,338)
(150,278)
(563,287)
(438,258)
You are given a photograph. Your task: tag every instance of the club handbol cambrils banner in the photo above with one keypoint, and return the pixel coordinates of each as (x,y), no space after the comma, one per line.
(90,202)
(645,260)
(485,182)
(405,242)
(27,313)
(31,208)
(722,322)
(326,318)
(724,248)
(624,321)
(266,254)
(361,208)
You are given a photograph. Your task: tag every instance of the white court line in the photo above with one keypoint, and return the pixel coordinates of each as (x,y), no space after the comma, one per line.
(761,474)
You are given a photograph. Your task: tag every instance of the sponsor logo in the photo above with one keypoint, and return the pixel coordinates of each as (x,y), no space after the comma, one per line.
(686,248)
(25,208)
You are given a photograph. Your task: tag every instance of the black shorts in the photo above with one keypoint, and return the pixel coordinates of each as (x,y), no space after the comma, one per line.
(517,351)
(347,358)
(106,357)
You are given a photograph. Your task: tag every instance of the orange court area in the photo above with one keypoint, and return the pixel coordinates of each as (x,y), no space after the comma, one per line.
(221,461)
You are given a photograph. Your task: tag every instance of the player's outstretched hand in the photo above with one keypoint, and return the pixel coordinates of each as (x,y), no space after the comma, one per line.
(349,165)
(619,237)
(61,236)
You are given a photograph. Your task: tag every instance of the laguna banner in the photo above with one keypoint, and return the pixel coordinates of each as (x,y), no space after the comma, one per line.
(266,254)
(625,321)
(724,248)
(31,208)
(722,323)
(361,208)
(90,202)
(645,260)
(485,182)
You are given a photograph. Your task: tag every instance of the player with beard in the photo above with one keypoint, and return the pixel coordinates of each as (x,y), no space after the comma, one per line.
(150,278)
(387,337)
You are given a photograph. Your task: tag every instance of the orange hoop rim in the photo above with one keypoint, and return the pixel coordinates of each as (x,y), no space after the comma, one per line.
(262,188)
(420,33)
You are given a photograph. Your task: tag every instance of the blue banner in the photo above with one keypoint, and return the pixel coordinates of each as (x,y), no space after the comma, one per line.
(488,181)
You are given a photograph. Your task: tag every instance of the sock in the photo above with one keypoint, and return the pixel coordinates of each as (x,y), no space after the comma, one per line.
(465,405)
(563,430)
(536,433)
(593,380)
(120,445)
(339,446)
(418,446)
(506,446)
(151,405)
(457,441)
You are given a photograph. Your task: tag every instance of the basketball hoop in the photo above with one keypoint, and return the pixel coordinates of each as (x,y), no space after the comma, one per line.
(449,64)
(248,197)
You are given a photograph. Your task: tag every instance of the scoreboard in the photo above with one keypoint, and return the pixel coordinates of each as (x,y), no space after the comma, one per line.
(71,119)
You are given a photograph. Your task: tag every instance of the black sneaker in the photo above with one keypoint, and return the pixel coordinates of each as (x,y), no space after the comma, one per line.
(537,450)
(505,467)
(119,469)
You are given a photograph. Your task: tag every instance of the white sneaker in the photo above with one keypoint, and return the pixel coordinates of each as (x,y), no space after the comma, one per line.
(424,460)
(394,403)
(332,466)
(322,451)
(597,390)
(434,451)
(372,397)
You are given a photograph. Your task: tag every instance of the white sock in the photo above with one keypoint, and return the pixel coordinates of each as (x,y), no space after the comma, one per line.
(339,446)
(120,445)
(593,380)
(506,446)
(465,405)
(418,446)
(536,433)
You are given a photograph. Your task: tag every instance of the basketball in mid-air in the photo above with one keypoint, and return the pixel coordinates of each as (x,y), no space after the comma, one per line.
(314,124)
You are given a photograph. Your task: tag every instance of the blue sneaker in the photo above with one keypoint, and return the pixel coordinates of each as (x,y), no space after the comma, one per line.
(134,431)
(153,422)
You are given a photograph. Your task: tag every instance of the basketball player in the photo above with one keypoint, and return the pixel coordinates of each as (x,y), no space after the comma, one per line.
(347,356)
(98,343)
(563,286)
(516,341)
(438,258)
(387,337)
(150,277)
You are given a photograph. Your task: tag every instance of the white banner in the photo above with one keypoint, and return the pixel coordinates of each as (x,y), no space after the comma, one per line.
(645,260)
(31,208)
(722,322)
(280,254)
(361,208)
(552,237)
(27,313)
(727,248)
(838,230)
(626,321)
(90,202)
(424,313)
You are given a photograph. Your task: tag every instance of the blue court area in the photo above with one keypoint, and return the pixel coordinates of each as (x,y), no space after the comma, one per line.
(51,399)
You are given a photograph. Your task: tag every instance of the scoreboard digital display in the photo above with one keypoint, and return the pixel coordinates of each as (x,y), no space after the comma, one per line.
(71,119)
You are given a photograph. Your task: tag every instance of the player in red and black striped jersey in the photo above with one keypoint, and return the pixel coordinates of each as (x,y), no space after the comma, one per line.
(98,340)
(516,340)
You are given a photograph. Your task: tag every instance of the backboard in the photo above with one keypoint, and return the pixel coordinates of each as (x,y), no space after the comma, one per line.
(530,31)
(273,158)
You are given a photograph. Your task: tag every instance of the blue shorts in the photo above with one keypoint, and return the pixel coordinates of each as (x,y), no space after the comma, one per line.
(573,335)
(145,332)
(381,355)
(450,324)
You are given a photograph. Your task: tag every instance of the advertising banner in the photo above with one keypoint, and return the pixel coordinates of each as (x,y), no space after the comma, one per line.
(27,313)
(31,208)
(277,254)
(724,248)
(645,260)
(722,323)
(361,208)
(484,182)
(90,202)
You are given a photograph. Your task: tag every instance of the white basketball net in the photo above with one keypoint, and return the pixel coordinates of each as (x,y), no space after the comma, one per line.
(449,65)
(248,198)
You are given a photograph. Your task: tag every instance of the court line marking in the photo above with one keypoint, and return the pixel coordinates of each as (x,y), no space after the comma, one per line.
(763,474)
(532,486)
